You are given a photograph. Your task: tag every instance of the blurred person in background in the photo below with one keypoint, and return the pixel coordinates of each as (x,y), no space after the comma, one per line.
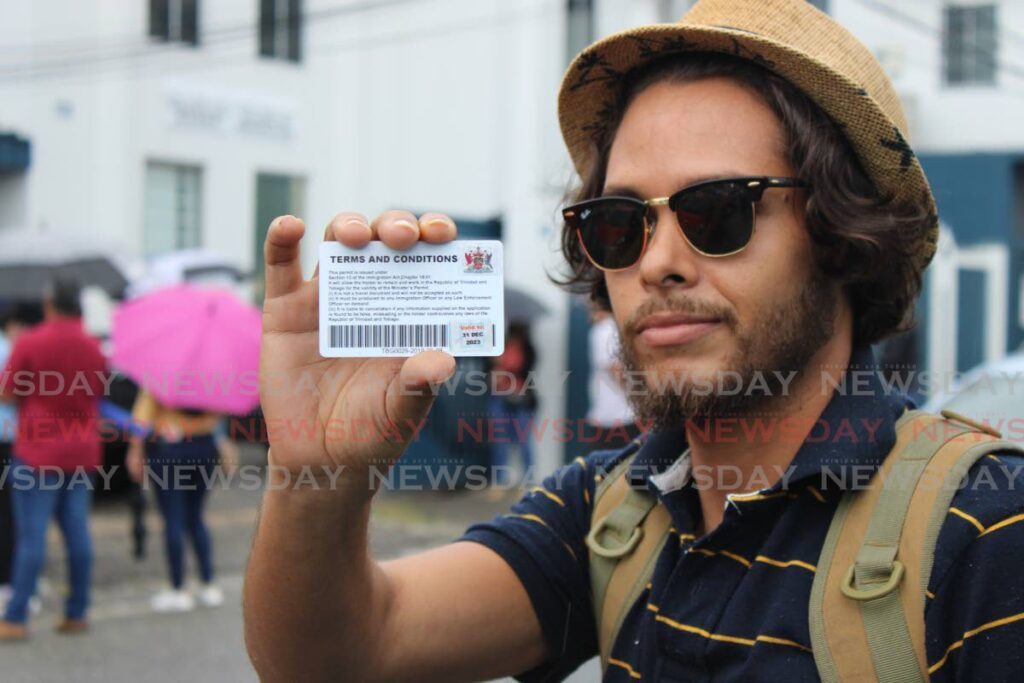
(610,419)
(512,403)
(11,324)
(182,455)
(57,430)
(17,318)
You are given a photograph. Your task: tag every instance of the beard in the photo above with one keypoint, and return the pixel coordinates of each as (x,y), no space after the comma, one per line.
(783,339)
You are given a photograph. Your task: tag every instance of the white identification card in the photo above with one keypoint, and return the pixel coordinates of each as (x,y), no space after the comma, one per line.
(376,301)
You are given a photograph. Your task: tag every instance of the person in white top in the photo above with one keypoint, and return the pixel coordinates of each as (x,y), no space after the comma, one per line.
(610,417)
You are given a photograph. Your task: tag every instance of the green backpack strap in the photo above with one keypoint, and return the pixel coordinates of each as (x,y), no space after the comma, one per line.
(867,602)
(628,529)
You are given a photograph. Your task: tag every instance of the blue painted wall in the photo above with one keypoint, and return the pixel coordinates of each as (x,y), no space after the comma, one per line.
(976,194)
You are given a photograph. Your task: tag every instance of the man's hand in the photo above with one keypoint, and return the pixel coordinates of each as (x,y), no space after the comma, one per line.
(317,606)
(312,403)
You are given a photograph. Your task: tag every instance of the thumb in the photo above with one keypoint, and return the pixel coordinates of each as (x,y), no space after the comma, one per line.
(412,391)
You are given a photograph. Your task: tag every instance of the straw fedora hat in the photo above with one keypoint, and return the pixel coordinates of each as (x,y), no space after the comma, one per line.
(789,37)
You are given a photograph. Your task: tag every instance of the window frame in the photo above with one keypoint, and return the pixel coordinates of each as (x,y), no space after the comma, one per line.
(184,209)
(174,21)
(281,32)
(967,30)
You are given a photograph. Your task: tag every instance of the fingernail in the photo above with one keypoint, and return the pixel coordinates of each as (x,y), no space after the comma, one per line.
(406,224)
(356,221)
(441,221)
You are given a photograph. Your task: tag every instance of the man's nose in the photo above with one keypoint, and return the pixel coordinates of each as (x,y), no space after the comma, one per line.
(669,259)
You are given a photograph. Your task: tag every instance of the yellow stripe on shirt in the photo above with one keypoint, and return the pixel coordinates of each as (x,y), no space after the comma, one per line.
(816,493)
(535,518)
(970,634)
(787,563)
(750,642)
(549,494)
(624,665)
(973,520)
(1005,523)
(725,553)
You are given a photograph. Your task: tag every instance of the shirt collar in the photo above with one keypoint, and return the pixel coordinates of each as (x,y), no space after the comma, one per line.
(851,439)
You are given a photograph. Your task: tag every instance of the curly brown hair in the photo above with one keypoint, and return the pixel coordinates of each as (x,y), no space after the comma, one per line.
(862,239)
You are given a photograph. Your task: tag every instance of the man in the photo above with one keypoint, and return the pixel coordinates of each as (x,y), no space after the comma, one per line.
(796,227)
(55,375)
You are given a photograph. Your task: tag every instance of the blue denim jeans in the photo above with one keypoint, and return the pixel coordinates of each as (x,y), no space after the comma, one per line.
(37,496)
(181,475)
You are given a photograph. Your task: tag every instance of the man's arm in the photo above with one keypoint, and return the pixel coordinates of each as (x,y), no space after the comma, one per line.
(317,606)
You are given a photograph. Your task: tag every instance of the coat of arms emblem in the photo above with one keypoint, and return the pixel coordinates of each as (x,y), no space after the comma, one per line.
(478,261)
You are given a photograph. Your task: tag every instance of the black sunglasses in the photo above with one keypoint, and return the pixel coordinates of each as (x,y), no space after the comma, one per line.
(716,218)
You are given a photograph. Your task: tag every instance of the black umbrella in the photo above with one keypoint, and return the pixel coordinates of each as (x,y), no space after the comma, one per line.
(31,259)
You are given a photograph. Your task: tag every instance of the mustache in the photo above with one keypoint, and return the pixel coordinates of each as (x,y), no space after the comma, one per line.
(687,306)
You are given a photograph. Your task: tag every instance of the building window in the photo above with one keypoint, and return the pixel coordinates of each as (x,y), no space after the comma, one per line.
(580,25)
(276,195)
(970,44)
(173,207)
(174,20)
(281,29)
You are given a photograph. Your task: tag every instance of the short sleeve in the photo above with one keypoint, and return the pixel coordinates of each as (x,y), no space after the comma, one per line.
(543,539)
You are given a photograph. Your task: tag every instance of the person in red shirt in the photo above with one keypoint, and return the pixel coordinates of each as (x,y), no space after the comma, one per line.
(56,375)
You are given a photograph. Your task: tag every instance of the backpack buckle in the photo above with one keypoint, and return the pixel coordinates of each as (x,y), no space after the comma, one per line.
(613,552)
(854,593)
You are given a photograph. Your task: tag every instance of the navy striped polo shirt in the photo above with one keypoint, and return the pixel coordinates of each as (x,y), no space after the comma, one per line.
(732,605)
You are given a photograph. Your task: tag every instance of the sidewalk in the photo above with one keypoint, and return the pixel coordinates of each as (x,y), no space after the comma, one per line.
(130,642)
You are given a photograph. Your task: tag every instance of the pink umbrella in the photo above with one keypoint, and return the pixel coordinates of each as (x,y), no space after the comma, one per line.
(191,348)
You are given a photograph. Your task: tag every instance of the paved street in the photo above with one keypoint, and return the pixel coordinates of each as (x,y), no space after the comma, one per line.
(128,642)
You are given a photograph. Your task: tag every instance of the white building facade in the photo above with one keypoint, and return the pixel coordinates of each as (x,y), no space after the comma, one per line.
(191,123)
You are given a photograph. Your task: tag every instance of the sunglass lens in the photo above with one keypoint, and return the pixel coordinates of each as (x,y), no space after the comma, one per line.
(716,219)
(611,231)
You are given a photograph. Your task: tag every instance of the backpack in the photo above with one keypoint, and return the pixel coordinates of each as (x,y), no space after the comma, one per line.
(866,611)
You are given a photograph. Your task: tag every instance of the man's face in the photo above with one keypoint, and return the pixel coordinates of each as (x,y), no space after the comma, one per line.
(768,308)
(12,329)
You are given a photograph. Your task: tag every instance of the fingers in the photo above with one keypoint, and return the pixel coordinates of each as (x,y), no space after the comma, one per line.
(427,368)
(350,228)
(397,229)
(437,228)
(281,256)
(409,396)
